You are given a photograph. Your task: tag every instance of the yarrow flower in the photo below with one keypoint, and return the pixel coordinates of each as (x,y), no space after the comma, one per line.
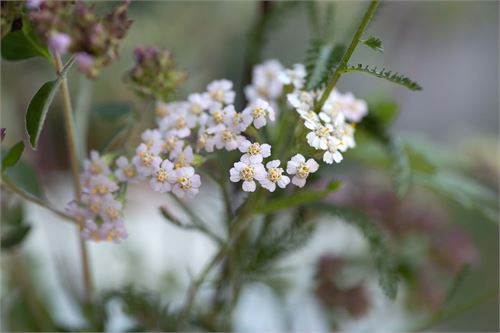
(248,172)
(187,183)
(126,171)
(274,176)
(254,152)
(258,113)
(221,91)
(300,168)
(163,175)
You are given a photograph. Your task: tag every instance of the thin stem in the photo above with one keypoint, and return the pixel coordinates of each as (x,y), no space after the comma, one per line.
(25,195)
(73,157)
(347,55)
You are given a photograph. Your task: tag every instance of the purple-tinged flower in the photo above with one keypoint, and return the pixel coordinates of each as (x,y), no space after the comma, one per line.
(163,176)
(59,42)
(187,182)
(127,171)
(254,152)
(95,165)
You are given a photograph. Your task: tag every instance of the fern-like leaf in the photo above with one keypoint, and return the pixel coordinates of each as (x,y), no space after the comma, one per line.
(321,61)
(374,43)
(384,74)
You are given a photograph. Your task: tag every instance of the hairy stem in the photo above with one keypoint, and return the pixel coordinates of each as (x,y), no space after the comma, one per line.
(348,53)
(73,158)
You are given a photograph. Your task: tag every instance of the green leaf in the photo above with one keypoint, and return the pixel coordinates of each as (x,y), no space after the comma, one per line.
(401,167)
(297,199)
(385,112)
(24,177)
(384,261)
(12,156)
(384,74)
(112,111)
(374,43)
(14,236)
(37,110)
(464,191)
(320,62)
(23,44)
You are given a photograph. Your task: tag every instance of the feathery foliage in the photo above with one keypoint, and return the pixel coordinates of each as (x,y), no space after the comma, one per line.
(321,61)
(374,43)
(384,74)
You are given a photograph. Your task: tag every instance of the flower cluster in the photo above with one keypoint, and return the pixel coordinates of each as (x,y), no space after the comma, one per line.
(75,27)
(154,73)
(99,209)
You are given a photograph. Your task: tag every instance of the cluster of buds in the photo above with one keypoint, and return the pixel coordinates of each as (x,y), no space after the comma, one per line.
(76,28)
(154,73)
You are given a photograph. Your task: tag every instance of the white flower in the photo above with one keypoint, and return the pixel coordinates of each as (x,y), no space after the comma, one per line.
(265,80)
(182,157)
(205,140)
(163,176)
(301,100)
(179,124)
(258,112)
(301,169)
(224,137)
(254,152)
(294,76)
(235,120)
(221,91)
(345,133)
(143,160)
(95,165)
(101,185)
(79,213)
(274,176)
(354,109)
(187,183)
(93,203)
(331,112)
(333,154)
(111,211)
(126,172)
(152,138)
(247,172)
(162,109)
(318,137)
(216,116)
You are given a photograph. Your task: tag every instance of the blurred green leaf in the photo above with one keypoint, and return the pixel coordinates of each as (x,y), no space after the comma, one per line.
(320,62)
(384,261)
(418,161)
(464,191)
(23,44)
(24,177)
(385,112)
(112,111)
(401,167)
(38,108)
(299,198)
(12,156)
(14,236)
(374,43)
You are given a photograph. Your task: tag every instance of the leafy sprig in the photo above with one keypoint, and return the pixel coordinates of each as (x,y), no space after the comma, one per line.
(384,74)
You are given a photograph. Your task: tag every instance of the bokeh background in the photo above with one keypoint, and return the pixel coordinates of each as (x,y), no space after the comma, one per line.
(450,48)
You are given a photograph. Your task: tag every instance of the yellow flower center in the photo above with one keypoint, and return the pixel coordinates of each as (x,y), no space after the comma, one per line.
(100,189)
(322,131)
(218,117)
(184,183)
(247,173)
(161,111)
(161,175)
(169,143)
(112,213)
(95,168)
(129,171)
(112,234)
(218,95)
(236,118)
(227,135)
(254,149)
(180,123)
(258,111)
(303,170)
(274,174)
(146,158)
(196,109)
(95,207)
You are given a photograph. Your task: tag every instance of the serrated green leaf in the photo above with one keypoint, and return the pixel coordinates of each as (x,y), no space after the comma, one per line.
(14,236)
(297,199)
(23,44)
(12,156)
(384,74)
(321,61)
(401,167)
(374,43)
(384,261)
(37,110)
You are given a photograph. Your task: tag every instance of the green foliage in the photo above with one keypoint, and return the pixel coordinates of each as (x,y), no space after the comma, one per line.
(385,112)
(384,74)
(401,167)
(321,61)
(23,44)
(112,111)
(299,198)
(384,261)
(462,190)
(14,228)
(24,176)
(12,156)
(37,110)
(374,43)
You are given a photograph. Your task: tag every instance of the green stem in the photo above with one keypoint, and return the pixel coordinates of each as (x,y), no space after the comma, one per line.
(347,55)
(73,158)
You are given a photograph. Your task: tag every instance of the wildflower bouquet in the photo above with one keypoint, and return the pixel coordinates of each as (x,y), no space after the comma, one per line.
(269,150)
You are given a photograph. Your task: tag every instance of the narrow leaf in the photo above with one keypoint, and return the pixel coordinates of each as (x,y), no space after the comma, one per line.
(374,43)
(12,156)
(297,199)
(14,236)
(385,74)
(401,167)
(37,110)
(384,261)
(112,111)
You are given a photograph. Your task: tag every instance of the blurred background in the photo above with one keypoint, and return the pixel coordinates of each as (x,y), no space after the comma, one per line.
(450,48)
